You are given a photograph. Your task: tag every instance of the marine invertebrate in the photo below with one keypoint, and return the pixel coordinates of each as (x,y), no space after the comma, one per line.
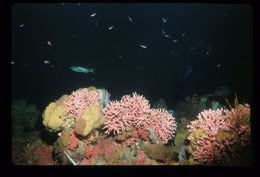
(62,99)
(143,133)
(63,142)
(79,100)
(222,134)
(92,152)
(135,111)
(211,121)
(141,157)
(157,151)
(91,118)
(74,142)
(120,115)
(41,155)
(163,124)
(51,116)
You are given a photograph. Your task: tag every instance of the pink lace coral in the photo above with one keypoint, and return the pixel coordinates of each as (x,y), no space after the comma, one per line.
(120,115)
(163,124)
(135,111)
(79,100)
(211,121)
(239,116)
(214,121)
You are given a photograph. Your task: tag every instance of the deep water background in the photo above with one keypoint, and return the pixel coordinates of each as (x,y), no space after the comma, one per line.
(158,71)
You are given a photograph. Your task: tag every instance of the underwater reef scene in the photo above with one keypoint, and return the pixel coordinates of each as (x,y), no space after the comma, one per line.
(89,129)
(129,84)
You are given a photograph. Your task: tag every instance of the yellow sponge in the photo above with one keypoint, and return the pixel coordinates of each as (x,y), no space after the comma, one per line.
(51,116)
(92,118)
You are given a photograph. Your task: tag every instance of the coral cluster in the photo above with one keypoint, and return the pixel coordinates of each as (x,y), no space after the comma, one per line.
(217,136)
(135,111)
(80,99)
(95,131)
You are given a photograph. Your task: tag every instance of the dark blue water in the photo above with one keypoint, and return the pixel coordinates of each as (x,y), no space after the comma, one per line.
(213,42)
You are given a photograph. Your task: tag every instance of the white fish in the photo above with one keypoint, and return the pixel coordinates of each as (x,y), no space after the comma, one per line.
(46,62)
(143,46)
(183,34)
(93,15)
(130,19)
(164,20)
(166,35)
(49,43)
(81,69)
(12,62)
(218,65)
(111,27)
(163,32)
(175,40)
(22,25)
(104,96)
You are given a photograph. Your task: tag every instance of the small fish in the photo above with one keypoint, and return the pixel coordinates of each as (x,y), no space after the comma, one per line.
(130,19)
(46,62)
(218,65)
(166,35)
(71,160)
(22,25)
(164,20)
(119,56)
(12,62)
(184,34)
(93,15)
(111,27)
(104,96)
(52,66)
(188,71)
(96,24)
(175,40)
(81,69)
(143,46)
(163,32)
(49,43)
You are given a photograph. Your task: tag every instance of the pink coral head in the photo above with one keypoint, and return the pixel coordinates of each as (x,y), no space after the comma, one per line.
(212,122)
(164,124)
(135,111)
(79,100)
(130,110)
